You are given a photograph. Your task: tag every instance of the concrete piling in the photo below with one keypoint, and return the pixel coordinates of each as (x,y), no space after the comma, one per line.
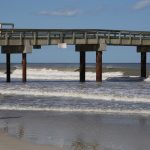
(98,66)
(24,67)
(8,72)
(143,64)
(82,66)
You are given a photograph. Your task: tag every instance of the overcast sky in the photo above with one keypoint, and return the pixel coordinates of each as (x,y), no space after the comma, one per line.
(99,14)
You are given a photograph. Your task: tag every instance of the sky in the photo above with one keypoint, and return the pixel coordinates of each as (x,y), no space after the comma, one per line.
(96,14)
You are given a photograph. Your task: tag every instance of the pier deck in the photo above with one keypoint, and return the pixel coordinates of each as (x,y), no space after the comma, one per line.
(73,37)
(96,40)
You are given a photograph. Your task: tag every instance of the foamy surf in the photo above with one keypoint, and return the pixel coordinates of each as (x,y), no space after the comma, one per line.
(97,95)
(52,74)
(147,79)
(44,83)
(76,110)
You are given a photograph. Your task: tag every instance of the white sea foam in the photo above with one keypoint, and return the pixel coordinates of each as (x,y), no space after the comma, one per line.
(147,79)
(68,109)
(116,91)
(108,95)
(50,74)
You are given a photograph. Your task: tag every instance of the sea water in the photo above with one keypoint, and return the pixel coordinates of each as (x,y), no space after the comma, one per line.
(54,108)
(57,87)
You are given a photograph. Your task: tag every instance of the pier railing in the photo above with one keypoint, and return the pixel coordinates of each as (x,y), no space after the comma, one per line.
(73,36)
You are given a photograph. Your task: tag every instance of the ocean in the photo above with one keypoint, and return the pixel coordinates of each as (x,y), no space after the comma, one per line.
(57,87)
(54,108)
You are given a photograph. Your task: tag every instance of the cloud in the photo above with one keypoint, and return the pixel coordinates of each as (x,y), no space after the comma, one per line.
(65,12)
(142,4)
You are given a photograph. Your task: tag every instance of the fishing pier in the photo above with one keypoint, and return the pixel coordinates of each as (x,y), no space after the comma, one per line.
(22,41)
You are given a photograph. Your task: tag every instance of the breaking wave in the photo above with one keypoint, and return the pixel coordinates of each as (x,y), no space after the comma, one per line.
(45,83)
(50,74)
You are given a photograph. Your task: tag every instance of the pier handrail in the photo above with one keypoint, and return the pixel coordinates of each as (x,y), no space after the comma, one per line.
(58,33)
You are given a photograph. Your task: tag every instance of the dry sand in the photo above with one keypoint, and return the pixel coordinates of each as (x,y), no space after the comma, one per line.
(10,143)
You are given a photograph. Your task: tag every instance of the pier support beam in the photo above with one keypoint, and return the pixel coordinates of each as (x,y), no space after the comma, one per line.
(98,48)
(143,64)
(8,72)
(82,66)
(24,67)
(98,66)
(143,50)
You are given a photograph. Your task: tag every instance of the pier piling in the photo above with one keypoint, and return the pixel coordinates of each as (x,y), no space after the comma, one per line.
(82,66)
(143,64)
(24,67)
(8,67)
(98,66)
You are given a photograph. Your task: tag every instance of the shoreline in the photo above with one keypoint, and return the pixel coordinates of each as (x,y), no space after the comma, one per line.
(109,113)
(28,130)
(9,143)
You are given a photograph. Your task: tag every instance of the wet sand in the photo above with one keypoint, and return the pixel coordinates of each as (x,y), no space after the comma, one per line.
(10,143)
(23,130)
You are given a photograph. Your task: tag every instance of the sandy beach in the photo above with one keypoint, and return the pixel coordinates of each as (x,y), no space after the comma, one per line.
(10,143)
(24,130)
